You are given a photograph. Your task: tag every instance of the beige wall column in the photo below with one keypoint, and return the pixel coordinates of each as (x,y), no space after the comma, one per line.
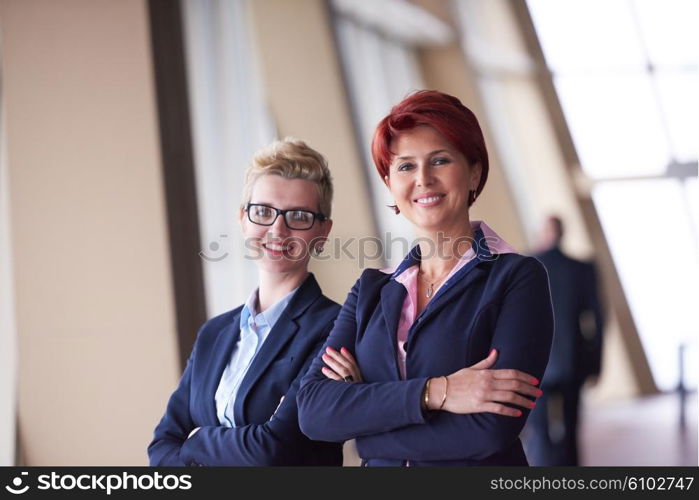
(307,99)
(94,305)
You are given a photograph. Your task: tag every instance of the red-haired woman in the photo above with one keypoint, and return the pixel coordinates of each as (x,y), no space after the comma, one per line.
(452,343)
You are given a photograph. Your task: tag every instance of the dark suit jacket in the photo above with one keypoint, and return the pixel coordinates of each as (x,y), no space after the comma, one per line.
(498,302)
(268,432)
(577,345)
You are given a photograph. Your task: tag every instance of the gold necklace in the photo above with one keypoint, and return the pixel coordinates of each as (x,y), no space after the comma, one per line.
(430,288)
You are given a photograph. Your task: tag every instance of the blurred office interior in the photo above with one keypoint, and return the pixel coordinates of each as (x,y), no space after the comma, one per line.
(126,126)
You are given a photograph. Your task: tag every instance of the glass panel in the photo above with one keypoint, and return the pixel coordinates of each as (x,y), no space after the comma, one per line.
(615,123)
(679,98)
(668,28)
(587,34)
(230,122)
(691,187)
(379,73)
(648,229)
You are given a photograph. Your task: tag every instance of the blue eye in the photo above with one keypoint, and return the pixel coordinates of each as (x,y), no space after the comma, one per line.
(404,166)
(441,161)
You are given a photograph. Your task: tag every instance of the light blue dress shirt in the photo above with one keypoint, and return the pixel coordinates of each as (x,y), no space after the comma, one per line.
(254,329)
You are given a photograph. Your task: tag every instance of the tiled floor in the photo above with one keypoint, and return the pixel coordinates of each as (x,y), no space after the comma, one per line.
(639,432)
(633,432)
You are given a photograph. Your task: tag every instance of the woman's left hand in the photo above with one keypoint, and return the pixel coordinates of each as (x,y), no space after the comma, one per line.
(341,365)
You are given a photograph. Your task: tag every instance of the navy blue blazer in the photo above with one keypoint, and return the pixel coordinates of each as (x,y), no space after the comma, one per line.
(268,432)
(577,348)
(495,301)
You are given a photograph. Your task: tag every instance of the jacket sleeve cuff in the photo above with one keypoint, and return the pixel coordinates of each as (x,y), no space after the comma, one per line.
(189,447)
(414,412)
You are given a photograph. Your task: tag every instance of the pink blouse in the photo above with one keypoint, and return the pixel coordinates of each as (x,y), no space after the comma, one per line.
(408,279)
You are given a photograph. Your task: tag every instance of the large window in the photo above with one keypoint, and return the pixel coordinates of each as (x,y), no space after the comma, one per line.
(626,75)
(377,42)
(229,122)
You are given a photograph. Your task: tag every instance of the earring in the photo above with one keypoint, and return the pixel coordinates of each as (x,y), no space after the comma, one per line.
(318,250)
(395,208)
(471,197)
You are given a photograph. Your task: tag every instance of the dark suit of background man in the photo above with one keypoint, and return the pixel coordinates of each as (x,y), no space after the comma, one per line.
(575,354)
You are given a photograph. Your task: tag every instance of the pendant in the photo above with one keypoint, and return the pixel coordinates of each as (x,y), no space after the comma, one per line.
(430,290)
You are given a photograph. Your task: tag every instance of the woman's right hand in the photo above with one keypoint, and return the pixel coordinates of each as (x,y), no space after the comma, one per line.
(341,365)
(478,389)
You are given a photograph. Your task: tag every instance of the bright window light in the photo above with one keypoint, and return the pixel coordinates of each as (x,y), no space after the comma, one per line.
(616,124)
(679,98)
(670,31)
(626,75)
(587,35)
(649,232)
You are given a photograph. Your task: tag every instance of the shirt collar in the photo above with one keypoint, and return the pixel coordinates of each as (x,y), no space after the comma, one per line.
(268,317)
(485,244)
(496,244)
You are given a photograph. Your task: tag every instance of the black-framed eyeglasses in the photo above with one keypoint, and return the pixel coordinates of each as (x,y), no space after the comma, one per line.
(265,215)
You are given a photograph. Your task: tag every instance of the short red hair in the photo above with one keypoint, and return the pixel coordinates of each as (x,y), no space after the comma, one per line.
(442,112)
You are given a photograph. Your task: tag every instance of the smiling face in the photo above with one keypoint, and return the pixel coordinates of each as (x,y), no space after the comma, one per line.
(430,181)
(276,248)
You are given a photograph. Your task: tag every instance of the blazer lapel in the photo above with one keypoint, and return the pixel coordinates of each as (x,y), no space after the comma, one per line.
(392,297)
(220,357)
(283,331)
(443,297)
(462,279)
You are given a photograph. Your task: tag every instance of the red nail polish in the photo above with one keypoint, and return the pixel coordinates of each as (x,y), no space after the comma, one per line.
(519,413)
(539,392)
(535,381)
(532,404)
(342,349)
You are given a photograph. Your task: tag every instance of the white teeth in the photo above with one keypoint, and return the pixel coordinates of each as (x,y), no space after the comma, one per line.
(431,199)
(278,248)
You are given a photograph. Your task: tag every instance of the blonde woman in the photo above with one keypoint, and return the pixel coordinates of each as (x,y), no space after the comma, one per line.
(236,402)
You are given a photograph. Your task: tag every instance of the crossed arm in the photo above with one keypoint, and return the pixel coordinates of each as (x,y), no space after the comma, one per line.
(388,419)
(268,444)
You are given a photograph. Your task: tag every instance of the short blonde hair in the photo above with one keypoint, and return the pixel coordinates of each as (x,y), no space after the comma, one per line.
(292,159)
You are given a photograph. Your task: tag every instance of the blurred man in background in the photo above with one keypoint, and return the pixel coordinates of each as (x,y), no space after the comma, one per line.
(575,354)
